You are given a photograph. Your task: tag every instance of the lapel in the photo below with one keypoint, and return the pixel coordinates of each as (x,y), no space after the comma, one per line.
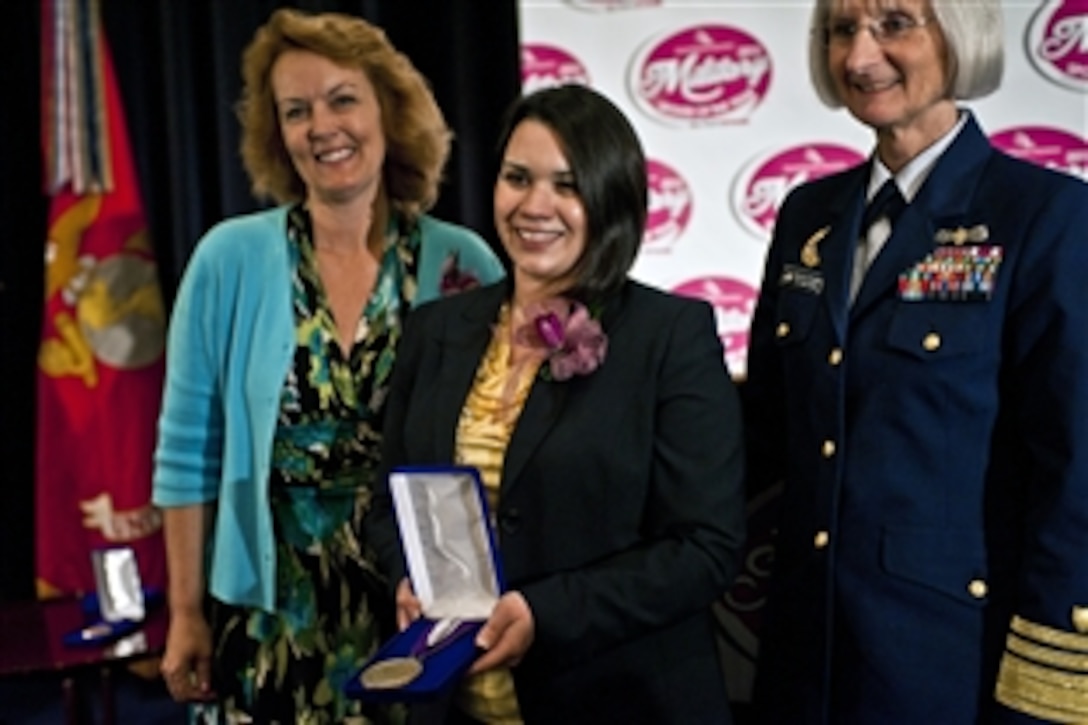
(845,208)
(943,200)
(546,401)
(462,343)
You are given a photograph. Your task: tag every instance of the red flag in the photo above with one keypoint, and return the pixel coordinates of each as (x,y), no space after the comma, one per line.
(100,364)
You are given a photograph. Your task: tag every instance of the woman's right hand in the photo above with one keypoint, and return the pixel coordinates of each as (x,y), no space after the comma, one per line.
(187,663)
(409,608)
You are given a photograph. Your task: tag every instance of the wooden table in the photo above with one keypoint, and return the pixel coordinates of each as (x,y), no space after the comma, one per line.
(32,642)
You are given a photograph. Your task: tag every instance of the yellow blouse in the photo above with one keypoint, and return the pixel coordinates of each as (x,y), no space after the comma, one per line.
(487,421)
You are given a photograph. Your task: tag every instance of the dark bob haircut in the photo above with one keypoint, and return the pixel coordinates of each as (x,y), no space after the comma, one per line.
(609,170)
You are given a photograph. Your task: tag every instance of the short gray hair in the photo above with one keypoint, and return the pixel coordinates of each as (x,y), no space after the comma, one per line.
(974,35)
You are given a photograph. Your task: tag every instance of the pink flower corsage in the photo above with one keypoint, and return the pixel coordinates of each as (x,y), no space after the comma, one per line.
(574,340)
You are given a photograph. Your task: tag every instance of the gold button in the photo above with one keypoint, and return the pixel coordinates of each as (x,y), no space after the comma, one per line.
(783,329)
(1080,619)
(821,539)
(835,357)
(931,342)
(977,588)
(828,449)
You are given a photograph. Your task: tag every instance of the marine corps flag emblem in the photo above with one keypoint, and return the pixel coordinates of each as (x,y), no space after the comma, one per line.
(100,362)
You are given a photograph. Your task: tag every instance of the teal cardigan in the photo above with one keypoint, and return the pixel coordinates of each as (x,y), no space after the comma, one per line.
(229,347)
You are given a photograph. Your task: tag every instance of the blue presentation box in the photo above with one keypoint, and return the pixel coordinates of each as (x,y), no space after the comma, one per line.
(449,546)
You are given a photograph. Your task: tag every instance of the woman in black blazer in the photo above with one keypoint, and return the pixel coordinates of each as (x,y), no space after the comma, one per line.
(606,429)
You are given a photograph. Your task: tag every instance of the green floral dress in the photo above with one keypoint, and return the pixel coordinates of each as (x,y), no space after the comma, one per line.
(333,607)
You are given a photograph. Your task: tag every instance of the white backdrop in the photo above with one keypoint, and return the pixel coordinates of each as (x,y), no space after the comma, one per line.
(718,91)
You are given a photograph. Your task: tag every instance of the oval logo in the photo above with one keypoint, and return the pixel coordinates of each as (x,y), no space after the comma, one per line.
(612,4)
(1057,42)
(762,185)
(544,66)
(670,207)
(1049,147)
(734,301)
(706,74)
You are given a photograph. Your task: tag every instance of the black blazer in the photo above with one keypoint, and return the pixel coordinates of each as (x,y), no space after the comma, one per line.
(621,510)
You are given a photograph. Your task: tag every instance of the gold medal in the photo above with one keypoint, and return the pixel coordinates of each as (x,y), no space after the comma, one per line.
(391,673)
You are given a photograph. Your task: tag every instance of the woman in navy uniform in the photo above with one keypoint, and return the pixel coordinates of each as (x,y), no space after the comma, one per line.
(918,379)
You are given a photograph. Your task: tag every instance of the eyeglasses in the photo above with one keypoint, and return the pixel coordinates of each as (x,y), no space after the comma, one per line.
(890,27)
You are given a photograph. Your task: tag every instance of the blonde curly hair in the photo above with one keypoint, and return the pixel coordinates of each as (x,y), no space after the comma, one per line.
(416,135)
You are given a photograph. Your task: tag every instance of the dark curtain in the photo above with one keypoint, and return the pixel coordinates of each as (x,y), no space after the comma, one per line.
(178,68)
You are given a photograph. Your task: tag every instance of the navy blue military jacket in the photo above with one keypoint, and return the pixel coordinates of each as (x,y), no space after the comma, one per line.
(932,549)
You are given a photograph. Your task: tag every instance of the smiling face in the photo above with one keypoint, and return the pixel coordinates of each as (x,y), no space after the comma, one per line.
(330,122)
(896,84)
(539,214)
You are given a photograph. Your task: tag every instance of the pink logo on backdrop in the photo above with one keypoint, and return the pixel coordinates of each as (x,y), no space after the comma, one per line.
(1049,147)
(1057,42)
(734,302)
(762,186)
(544,66)
(670,207)
(612,4)
(702,75)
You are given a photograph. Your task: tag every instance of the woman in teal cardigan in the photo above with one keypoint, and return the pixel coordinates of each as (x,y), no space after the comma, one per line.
(281,343)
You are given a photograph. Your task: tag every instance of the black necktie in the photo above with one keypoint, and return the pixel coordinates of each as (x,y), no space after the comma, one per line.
(888,202)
